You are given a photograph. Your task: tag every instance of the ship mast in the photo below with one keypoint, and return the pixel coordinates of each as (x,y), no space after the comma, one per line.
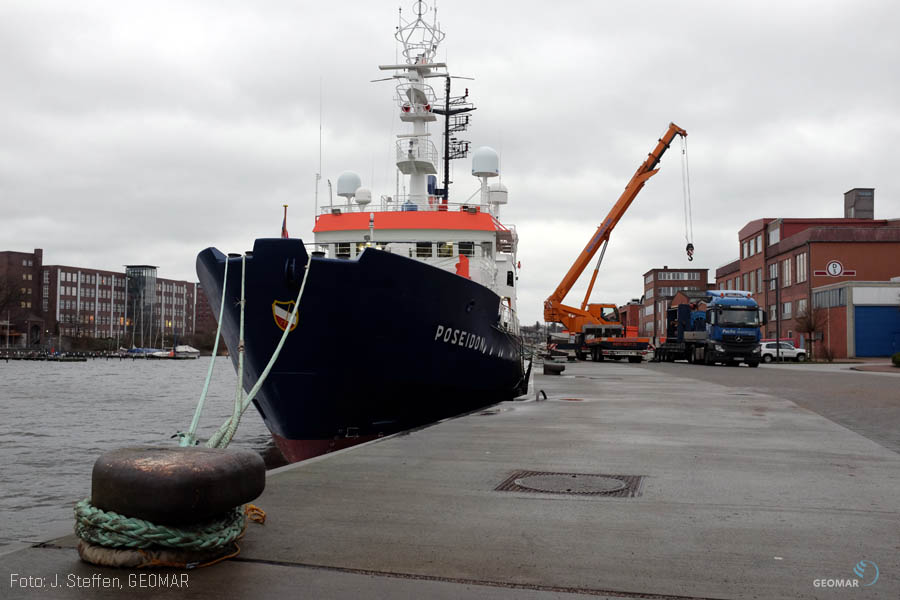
(416,154)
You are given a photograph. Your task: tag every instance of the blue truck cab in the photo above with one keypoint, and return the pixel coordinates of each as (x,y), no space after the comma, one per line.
(727,331)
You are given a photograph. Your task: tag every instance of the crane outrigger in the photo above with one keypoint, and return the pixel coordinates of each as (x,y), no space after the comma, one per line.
(595,322)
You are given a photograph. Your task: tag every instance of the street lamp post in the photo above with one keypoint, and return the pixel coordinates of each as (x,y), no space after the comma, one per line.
(777,316)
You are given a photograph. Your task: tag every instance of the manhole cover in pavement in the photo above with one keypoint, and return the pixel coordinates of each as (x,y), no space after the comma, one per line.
(571,483)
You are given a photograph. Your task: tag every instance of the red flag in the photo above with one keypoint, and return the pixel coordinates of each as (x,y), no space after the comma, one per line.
(284,231)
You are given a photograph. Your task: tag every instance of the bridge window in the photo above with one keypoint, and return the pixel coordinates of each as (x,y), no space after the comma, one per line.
(424,250)
(445,250)
(342,250)
(467,248)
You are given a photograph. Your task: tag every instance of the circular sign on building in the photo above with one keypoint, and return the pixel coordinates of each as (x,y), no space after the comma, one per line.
(834,268)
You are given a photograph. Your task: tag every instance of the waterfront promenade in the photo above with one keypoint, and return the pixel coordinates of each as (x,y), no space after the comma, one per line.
(741,494)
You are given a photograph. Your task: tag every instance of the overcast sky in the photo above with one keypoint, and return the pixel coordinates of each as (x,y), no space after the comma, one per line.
(143,132)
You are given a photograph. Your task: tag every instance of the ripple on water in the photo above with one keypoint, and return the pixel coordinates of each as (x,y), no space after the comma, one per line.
(57,418)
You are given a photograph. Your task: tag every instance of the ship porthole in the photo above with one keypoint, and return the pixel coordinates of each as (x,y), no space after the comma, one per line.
(470,306)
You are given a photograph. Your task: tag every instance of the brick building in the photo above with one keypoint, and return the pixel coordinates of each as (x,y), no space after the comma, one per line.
(21,320)
(660,286)
(782,261)
(862,318)
(61,301)
(205,320)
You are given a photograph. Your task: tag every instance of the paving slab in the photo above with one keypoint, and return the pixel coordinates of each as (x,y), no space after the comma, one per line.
(744,495)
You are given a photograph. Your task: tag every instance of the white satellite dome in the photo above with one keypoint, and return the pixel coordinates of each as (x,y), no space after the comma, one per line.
(485,162)
(363,196)
(498,194)
(347,184)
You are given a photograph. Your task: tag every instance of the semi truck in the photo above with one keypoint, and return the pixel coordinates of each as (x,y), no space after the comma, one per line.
(726,330)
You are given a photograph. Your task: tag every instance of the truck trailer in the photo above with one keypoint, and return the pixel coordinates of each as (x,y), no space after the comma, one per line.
(726,331)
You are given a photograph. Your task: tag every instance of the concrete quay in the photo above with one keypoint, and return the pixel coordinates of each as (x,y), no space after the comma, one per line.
(743,495)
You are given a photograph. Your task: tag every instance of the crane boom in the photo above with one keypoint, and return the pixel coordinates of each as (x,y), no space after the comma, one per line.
(571,317)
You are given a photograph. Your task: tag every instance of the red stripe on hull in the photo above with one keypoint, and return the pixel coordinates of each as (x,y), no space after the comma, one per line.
(297,450)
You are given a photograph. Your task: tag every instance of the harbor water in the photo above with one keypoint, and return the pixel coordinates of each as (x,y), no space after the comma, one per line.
(57,418)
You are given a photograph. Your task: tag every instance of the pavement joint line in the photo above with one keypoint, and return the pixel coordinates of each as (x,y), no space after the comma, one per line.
(485,583)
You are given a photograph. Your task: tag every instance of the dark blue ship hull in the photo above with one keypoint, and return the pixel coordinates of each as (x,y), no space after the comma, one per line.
(382,343)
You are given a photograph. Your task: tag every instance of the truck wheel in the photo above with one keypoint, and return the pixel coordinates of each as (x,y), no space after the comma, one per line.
(753,363)
(801,358)
(581,356)
(767,358)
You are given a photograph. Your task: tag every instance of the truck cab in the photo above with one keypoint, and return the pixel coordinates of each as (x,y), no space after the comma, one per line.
(733,320)
(722,326)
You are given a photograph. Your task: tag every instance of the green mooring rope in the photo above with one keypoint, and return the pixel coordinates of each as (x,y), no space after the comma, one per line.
(113,530)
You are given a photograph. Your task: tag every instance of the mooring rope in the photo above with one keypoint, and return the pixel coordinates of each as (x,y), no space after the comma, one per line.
(111,539)
(222,437)
(190,438)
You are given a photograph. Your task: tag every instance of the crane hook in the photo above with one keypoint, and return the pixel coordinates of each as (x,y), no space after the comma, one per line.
(690,251)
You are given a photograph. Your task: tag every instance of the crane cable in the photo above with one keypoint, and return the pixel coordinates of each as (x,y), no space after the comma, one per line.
(686,192)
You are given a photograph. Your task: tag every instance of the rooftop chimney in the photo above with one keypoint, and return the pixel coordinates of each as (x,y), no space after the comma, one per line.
(859,203)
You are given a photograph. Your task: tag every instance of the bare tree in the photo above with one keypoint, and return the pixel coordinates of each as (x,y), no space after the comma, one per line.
(811,321)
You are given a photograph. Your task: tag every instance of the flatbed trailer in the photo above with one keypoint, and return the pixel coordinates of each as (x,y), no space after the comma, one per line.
(617,348)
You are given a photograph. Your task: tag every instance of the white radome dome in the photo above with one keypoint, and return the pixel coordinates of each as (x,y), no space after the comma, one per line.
(347,184)
(485,162)
(363,196)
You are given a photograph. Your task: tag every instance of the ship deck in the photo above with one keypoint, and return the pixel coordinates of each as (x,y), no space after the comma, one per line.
(744,495)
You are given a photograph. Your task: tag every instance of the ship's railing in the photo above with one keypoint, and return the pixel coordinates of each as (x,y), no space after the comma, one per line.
(508,319)
(410,95)
(405,203)
(416,149)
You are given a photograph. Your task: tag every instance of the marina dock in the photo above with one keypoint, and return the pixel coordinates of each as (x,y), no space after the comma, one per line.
(730,493)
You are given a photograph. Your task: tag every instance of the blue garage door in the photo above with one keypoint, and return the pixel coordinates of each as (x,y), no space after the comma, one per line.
(877,330)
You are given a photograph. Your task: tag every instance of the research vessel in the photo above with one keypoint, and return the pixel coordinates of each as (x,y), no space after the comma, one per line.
(408,306)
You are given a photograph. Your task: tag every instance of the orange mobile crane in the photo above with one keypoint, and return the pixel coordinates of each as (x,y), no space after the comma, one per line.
(597,327)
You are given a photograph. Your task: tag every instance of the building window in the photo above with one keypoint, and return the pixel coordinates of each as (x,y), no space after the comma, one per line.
(786,310)
(752,247)
(648,278)
(745,250)
(772,314)
(759,280)
(786,272)
(752,288)
(649,293)
(467,248)
(830,298)
(746,282)
(342,250)
(801,267)
(445,250)
(737,282)
(759,246)
(774,235)
(773,275)
(801,306)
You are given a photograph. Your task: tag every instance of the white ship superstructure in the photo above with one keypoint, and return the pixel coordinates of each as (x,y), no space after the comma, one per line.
(463,237)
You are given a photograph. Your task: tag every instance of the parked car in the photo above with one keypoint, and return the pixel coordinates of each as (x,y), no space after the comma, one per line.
(769,351)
